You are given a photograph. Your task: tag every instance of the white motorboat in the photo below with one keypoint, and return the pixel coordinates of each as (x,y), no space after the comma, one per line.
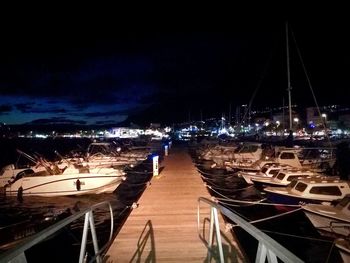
(268,170)
(245,156)
(334,219)
(314,159)
(71,181)
(283,177)
(309,190)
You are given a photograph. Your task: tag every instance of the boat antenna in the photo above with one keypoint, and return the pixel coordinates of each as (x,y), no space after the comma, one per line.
(288,79)
(62,158)
(30,158)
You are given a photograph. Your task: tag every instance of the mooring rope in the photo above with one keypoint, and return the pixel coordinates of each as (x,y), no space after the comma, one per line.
(275,216)
(230,189)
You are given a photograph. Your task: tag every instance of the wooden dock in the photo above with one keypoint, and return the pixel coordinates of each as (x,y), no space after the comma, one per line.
(164,226)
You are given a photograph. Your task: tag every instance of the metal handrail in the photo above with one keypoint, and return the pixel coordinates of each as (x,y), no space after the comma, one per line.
(17,253)
(268,247)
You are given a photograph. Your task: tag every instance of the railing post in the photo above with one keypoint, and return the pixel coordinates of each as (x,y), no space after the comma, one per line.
(268,248)
(218,235)
(211,233)
(94,237)
(84,238)
(17,254)
(214,223)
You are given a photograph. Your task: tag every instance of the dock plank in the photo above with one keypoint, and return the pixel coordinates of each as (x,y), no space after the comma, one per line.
(164,226)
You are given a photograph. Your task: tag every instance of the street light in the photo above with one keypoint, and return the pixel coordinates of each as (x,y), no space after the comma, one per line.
(296,120)
(324,118)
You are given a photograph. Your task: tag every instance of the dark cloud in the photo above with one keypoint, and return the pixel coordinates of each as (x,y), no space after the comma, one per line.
(105,122)
(4,109)
(38,108)
(128,111)
(94,79)
(24,107)
(56,120)
(101,114)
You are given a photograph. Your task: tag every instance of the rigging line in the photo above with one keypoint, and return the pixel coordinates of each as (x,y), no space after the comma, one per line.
(266,66)
(229,189)
(310,86)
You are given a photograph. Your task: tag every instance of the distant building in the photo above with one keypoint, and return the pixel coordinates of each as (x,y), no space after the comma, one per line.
(344,119)
(123,132)
(283,119)
(313,116)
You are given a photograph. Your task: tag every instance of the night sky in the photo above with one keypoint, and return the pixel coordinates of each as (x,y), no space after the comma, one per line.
(108,76)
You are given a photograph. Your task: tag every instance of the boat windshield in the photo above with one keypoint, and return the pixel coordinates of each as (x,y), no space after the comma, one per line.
(273,172)
(264,169)
(247,149)
(344,202)
(280,176)
(287,156)
(301,187)
(293,183)
(293,177)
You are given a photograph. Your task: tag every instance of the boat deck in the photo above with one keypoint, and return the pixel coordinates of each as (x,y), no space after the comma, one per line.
(164,226)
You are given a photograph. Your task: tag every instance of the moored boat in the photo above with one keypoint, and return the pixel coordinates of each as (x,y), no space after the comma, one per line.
(28,183)
(309,190)
(283,178)
(333,219)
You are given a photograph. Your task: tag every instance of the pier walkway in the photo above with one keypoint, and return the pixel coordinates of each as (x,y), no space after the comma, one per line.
(164,226)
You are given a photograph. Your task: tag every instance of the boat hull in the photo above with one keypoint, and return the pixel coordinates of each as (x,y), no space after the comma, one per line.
(329,223)
(61,185)
(282,198)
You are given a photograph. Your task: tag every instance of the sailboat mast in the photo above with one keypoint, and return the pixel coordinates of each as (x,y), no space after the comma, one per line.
(288,79)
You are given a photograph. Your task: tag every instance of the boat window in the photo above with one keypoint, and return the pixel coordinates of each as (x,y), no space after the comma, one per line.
(293,177)
(24,173)
(300,187)
(273,172)
(280,176)
(326,190)
(275,175)
(264,169)
(294,182)
(287,155)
